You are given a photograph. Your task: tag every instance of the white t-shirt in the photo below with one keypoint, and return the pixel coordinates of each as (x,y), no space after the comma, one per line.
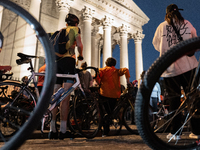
(156,91)
(165,38)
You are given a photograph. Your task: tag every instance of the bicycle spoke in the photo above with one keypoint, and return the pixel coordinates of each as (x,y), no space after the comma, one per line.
(21,31)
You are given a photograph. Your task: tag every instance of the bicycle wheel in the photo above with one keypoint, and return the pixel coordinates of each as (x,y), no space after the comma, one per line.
(71,121)
(16,105)
(9,29)
(129,119)
(187,110)
(87,115)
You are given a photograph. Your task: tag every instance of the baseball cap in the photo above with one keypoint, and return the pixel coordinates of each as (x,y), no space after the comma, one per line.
(134,82)
(172,7)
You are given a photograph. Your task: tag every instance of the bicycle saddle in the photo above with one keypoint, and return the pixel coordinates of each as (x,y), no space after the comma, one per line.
(24,56)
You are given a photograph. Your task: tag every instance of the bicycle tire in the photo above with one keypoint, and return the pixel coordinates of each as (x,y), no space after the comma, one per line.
(11,118)
(25,131)
(129,119)
(154,139)
(87,116)
(71,121)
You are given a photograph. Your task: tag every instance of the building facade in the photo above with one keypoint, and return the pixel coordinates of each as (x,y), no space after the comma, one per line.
(103,24)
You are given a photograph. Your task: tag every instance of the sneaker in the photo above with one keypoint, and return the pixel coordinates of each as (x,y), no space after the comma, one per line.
(53,135)
(194,136)
(175,137)
(67,134)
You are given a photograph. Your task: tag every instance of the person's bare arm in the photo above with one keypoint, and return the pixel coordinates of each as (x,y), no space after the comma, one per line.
(79,45)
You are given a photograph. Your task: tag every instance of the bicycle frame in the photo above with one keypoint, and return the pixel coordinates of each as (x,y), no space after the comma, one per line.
(71,89)
(65,94)
(27,59)
(120,104)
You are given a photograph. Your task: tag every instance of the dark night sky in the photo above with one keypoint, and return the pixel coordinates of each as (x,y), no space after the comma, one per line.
(155,10)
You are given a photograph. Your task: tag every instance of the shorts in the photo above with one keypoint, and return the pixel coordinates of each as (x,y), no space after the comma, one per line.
(65,65)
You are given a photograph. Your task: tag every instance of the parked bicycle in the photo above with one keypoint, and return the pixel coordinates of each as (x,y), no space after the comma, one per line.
(21,19)
(87,103)
(118,117)
(129,109)
(17,100)
(86,113)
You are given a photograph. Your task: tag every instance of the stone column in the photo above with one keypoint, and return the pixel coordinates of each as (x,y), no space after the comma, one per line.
(30,41)
(14,28)
(86,32)
(95,47)
(138,53)
(123,51)
(64,6)
(1,13)
(95,51)
(107,51)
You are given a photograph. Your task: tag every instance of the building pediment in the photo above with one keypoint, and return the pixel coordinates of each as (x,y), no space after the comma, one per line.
(125,11)
(130,5)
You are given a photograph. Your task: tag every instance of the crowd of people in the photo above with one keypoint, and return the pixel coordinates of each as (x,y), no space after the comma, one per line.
(108,78)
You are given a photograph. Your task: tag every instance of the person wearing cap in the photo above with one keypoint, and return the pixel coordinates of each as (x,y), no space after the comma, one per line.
(135,87)
(67,39)
(135,83)
(180,71)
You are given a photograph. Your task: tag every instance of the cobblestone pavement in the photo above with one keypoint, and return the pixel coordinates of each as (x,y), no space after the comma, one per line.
(124,141)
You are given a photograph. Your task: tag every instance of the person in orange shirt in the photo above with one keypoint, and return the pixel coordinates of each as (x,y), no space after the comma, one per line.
(110,88)
(41,78)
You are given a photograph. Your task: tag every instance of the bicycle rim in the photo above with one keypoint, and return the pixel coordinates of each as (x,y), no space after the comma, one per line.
(16,107)
(153,126)
(11,41)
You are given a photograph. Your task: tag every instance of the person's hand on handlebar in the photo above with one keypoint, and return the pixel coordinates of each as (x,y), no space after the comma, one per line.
(80,57)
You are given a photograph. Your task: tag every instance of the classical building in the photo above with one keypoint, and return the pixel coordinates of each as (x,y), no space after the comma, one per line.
(103,23)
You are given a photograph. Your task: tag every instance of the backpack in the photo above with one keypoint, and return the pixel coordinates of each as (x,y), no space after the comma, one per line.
(58,40)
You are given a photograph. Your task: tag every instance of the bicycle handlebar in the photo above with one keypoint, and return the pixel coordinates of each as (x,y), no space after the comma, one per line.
(80,57)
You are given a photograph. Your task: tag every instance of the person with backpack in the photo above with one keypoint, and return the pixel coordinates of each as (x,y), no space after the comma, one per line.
(64,43)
